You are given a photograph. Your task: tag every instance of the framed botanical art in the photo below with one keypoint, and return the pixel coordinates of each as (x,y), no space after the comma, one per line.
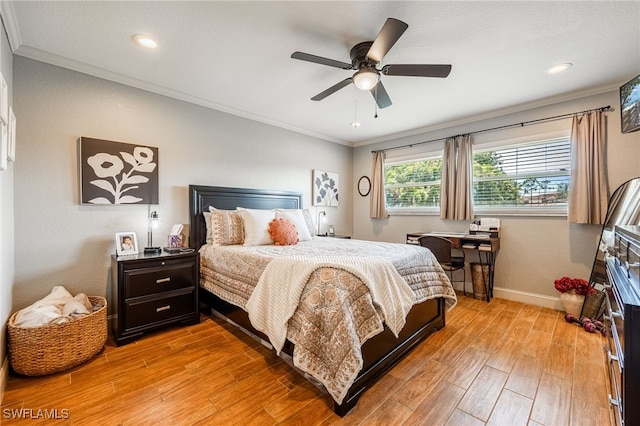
(126,243)
(4,147)
(117,173)
(12,135)
(4,100)
(325,188)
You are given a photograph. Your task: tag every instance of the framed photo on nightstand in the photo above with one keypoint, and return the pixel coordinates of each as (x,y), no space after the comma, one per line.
(126,243)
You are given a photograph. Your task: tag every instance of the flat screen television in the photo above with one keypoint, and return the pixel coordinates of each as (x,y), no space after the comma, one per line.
(630,105)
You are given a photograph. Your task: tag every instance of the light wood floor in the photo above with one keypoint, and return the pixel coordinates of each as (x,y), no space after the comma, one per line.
(502,363)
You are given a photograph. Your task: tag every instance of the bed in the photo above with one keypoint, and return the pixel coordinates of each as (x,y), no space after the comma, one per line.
(228,286)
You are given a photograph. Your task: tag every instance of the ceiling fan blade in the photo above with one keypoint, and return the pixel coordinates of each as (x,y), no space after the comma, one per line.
(389,34)
(320,96)
(381,96)
(320,60)
(441,71)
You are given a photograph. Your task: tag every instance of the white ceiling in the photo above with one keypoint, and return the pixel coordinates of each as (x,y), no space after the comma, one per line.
(234,56)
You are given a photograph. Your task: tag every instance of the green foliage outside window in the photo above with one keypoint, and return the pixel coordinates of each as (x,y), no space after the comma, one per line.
(413,184)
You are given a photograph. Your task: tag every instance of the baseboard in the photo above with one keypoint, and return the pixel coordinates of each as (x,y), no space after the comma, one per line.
(4,377)
(529,298)
(520,296)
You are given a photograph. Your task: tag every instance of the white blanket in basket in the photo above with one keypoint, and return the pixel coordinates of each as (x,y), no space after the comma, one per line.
(57,307)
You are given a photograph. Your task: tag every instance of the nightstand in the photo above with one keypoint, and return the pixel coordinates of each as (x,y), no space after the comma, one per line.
(346,237)
(151,291)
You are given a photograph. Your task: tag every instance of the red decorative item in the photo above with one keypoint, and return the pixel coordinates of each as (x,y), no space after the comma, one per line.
(578,285)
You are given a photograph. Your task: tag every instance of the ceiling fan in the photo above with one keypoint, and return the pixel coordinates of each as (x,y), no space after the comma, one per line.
(365,58)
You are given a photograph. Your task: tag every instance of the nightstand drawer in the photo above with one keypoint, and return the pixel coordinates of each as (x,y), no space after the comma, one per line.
(152,291)
(146,312)
(144,281)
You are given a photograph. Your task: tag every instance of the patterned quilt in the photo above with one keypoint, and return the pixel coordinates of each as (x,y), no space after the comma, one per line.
(336,312)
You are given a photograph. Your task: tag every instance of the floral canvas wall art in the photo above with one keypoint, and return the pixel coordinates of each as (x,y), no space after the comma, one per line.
(117,173)
(325,188)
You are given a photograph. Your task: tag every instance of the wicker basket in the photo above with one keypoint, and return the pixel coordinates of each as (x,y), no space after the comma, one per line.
(479,281)
(37,351)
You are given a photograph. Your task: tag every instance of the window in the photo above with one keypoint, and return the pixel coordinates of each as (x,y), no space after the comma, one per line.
(413,185)
(526,178)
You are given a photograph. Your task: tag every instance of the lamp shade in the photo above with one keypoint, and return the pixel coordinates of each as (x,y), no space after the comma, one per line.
(366,79)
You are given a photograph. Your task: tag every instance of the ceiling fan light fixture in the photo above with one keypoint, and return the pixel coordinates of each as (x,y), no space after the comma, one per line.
(366,79)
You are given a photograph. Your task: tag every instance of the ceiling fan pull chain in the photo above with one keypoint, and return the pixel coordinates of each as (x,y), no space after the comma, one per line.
(376,102)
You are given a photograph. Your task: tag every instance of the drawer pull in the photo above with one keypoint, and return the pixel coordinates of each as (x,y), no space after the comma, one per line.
(163,308)
(163,280)
(613,401)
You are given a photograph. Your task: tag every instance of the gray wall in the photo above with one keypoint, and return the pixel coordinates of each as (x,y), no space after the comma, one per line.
(6,221)
(63,243)
(534,250)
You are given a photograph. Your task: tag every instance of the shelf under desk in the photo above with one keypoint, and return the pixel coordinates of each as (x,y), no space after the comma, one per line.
(478,243)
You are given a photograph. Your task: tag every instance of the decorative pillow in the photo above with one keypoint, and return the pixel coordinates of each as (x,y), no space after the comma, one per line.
(226,227)
(256,226)
(297,219)
(283,232)
(207,222)
(308,219)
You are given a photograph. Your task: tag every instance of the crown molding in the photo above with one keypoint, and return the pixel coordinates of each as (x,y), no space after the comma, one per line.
(10,24)
(493,114)
(49,58)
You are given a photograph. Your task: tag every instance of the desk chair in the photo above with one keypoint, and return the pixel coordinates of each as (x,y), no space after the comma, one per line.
(441,249)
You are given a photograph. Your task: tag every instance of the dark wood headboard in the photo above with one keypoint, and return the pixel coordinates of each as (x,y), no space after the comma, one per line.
(224,198)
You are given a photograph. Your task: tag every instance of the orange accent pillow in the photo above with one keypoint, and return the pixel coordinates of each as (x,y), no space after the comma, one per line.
(283,232)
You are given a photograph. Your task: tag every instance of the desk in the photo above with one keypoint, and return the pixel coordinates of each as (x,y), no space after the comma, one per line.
(479,243)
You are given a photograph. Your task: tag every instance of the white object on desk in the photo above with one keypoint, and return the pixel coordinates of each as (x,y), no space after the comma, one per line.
(487,223)
(449,234)
(176,229)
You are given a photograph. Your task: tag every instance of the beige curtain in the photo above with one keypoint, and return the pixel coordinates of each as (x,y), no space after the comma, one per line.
(456,188)
(588,193)
(378,207)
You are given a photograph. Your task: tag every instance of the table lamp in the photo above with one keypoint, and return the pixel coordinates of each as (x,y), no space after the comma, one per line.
(153,224)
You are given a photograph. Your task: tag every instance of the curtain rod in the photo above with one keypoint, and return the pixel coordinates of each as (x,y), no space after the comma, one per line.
(521,124)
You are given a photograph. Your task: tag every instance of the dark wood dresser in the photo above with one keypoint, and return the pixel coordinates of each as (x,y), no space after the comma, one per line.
(622,321)
(150,291)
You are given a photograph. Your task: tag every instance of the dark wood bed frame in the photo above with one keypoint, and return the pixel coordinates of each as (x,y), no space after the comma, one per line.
(380,353)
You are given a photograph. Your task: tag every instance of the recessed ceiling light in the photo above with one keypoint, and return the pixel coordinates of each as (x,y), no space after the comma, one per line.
(355,124)
(555,69)
(145,41)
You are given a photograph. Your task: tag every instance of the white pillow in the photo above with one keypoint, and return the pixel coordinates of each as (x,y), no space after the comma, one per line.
(297,218)
(256,226)
(306,214)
